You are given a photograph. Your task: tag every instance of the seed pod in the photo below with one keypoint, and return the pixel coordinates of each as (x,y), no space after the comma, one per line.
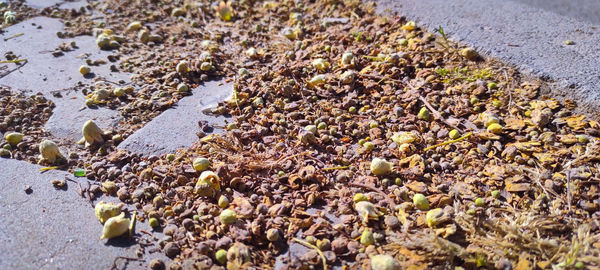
(384,262)
(223,202)
(317,80)
(119,92)
(103,41)
(13,138)
(104,211)
(183,88)
(489,118)
(201,164)
(359,197)
(347,77)
(49,151)
(208,184)
(238,252)
(134,26)
(227,217)
(470,54)
(92,133)
(403,137)
(366,238)
(320,64)
(347,59)
(433,217)
(84,70)
(380,167)
(421,201)
(182,67)
(251,52)
(224,11)
(207,66)
(367,210)
(101,94)
(115,226)
(144,36)
(495,128)
(176,12)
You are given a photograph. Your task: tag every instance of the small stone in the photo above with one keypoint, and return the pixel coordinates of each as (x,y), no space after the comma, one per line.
(391,222)
(273,235)
(27,189)
(157,264)
(171,249)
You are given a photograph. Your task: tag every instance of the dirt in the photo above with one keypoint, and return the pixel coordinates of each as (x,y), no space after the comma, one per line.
(419,147)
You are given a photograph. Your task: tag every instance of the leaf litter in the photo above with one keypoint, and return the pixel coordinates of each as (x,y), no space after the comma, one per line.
(321,89)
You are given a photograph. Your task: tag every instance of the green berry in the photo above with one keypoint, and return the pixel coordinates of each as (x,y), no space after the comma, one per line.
(421,201)
(223,202)
(201,164)
(221,256)
(367,238)
(153,222)
(454,134)
(479,202)
(227,217)
(423,114)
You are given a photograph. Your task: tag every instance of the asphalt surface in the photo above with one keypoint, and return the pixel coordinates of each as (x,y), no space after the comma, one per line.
(527,34)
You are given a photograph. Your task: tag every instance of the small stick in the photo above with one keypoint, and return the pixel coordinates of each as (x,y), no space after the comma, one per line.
(132,224)
(14,36)
(13,61)
(450,141)
(48,168)
(335,168)
(437,114)
(569,189)
(315,248)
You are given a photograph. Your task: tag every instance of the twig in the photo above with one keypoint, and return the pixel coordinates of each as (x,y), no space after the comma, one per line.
(437,114)
(14,36)
(13,61)
(315,248)
(48,168)
(387,198)
(569,189)
(132,224)
(335,168)
(450,141)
